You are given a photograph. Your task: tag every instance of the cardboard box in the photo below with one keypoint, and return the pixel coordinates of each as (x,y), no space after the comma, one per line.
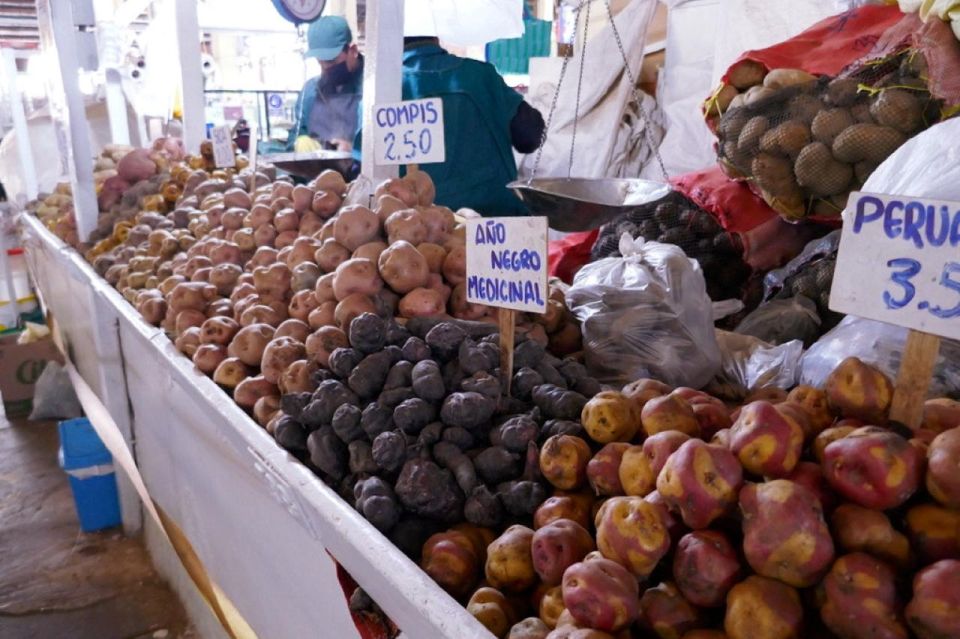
(20,366)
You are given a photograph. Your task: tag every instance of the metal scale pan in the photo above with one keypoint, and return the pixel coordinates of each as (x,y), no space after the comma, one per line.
(309,165)
(583,204)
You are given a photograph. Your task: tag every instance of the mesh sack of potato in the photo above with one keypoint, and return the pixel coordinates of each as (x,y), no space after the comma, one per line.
(676,220)
(804,141)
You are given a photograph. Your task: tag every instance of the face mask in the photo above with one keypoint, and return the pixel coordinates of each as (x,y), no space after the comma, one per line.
(336,75)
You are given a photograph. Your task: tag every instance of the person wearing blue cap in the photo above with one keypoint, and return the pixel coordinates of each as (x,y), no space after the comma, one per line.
(326,110)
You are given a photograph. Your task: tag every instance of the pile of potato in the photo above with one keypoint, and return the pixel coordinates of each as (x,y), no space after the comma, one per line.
(806,142)
(800,514)
(410,424)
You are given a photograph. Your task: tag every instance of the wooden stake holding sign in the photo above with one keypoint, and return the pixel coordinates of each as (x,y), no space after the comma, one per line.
(507,268)
(899,262)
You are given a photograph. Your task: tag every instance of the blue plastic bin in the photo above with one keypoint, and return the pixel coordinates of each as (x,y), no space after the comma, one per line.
(93,481)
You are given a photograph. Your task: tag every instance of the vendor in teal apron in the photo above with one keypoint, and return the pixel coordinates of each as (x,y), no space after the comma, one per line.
(482,119)
(326,110)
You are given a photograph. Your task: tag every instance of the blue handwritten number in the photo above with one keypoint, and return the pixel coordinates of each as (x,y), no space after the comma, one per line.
(389,140)
(409,144)
(910,269)
(949,269)
(426,141)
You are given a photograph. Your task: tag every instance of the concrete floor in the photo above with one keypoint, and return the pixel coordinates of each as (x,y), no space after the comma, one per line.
(56,581)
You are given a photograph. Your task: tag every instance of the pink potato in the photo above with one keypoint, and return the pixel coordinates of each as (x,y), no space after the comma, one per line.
(765,440)
(873,467)
(434,254)
(439,222)
(297,329)
(407,225)
(356,225)
(371,250)
(762,607)
(943,468)
(351,307)
(249,343)
(700,481)
(860,599)
(388,205)
(659,446)
(422,302)
(455,265)
(603,469)
(278,355)
(784,534)
(669,412)
(601,594)
(633,532)
(664,610)
(706,567)
(323,288)
(301,304)
(403,267)
(356,276)
(324,315)
(557,546)
(330,255)
(933,611)
(207,357)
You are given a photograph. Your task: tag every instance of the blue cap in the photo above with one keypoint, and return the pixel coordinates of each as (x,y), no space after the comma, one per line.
(327,37)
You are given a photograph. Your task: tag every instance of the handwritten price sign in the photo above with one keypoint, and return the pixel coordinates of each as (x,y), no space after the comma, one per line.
(899,262)
(409,132)
(507,262)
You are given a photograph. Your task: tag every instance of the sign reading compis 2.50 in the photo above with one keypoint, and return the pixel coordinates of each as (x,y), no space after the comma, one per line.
(409,132)
(899,262)
(507,262)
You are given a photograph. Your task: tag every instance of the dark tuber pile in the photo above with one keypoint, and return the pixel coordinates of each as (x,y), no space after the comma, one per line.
(410,425)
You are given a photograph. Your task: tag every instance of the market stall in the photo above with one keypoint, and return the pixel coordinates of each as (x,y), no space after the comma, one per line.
(319,377)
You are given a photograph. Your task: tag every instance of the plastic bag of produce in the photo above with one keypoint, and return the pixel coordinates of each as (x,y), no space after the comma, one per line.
(881,345)
(748,364)
(809,274)
(53,395)
(783,320)
(646,314)
(805,136)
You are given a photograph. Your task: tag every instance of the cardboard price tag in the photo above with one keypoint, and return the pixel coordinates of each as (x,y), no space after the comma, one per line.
(899,262)
(222,139)
(409,132)
(507,262)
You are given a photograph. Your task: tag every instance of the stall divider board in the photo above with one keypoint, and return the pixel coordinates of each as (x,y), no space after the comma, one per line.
(507,269)
(899,262)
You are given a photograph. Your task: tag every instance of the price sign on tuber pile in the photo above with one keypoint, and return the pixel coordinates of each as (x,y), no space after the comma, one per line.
(507,262)
(899,262)
(409,132)
(222,139)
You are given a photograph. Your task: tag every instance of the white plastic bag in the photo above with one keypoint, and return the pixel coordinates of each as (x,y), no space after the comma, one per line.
(881,345)
(646,314)
(749,364)
(783,320)
(53,395)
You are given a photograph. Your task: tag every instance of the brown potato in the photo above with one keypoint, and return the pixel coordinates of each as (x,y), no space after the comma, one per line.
(403,267)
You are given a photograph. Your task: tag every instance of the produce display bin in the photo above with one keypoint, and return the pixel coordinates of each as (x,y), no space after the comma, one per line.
(93,481)
(260,521)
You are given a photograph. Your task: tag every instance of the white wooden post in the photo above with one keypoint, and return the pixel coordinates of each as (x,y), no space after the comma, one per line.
(383,65)
(67,113)
(191,73)
(109,43)
(24,149)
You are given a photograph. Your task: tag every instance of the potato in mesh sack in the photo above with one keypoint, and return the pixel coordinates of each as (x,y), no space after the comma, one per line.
(805,137)
(805,144)
(676,220)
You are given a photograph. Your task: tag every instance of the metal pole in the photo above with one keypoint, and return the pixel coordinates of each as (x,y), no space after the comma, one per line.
(67,113)
(191,73)
(28,169)
(381,74)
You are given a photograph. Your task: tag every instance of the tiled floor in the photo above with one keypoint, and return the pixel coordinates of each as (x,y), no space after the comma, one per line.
(56,581)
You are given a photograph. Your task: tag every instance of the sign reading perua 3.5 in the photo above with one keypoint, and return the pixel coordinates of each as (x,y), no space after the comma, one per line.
(899,262)
(409,132)
(507,262)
